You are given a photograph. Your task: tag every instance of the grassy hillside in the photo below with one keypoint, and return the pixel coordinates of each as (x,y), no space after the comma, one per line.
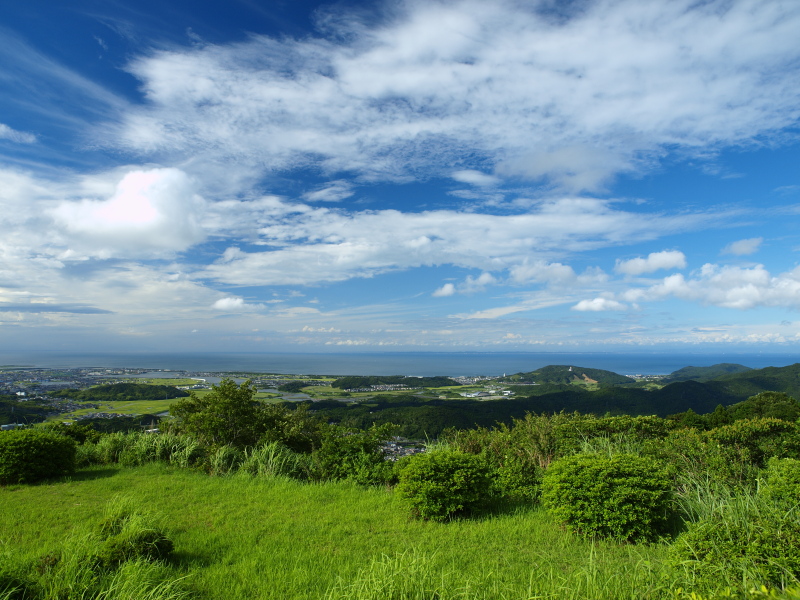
(568,374)
(704,373)
(238,538)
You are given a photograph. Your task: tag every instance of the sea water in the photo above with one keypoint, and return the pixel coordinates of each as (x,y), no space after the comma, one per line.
(401,363)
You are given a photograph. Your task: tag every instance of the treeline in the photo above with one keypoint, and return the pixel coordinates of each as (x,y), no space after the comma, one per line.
(12,411)
(356,382)
(124,392)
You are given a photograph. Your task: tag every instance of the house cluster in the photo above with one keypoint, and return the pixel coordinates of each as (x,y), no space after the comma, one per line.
(382,388)
(398,447)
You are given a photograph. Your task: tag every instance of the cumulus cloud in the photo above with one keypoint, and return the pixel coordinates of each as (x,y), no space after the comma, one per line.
(727,287)
(439,81)
(234,304)
(744,247)
(150,212)
(448,289)
(655,261)
(599,304)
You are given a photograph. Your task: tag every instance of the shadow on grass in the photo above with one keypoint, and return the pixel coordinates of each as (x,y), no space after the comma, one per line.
(92,473)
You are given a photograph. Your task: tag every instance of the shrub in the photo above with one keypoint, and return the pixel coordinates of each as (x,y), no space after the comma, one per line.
(126,534)
(783,482)
(445,483)
(750,540)
(225,459)
(354,454)
(30,455)
(273,460)
(625,497)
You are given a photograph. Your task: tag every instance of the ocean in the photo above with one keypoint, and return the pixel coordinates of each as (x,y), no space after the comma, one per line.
(399,363)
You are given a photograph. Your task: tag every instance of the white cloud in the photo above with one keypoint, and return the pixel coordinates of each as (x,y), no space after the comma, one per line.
(311,245)
(599,304)
(233,304)
(448,289)
(443,80)
(20,137)
(727,287)
(655,261)
(150,212)
(744,247)
(334,191)
(477,178)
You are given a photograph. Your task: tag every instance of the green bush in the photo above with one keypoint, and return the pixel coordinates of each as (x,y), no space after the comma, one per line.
(751,540)
(625,497)
(357,454)
(126,534)
(783,482)
(442,484)
(30,455)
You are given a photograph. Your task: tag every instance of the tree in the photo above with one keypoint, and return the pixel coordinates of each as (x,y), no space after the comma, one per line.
(229,415)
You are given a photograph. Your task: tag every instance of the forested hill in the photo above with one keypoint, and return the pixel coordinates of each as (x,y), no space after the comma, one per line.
(124,391)
(704,373)
(357,382)
(749,383)
(568,374)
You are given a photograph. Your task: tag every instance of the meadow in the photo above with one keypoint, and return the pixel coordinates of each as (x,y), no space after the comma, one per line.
(240,537)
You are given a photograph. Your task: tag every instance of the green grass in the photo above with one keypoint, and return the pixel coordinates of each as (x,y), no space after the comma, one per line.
(239,537)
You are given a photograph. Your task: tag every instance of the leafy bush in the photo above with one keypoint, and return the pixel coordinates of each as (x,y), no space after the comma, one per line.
(750,540)
(30,455)
(760,439)
(445,483)
(354,454)
(625,497)
(783,482)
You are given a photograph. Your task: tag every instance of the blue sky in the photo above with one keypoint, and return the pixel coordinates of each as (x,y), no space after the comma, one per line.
(459,175)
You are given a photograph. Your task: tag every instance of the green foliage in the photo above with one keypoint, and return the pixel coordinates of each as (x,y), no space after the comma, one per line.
(273,459)
(783,482)
(774,405)
(749,540)
(12,411)
(125,392)
(119,559)
(293,387)
(759,439)
(446,483)
(81,433)
(704,373)
(355,454)
(568,374)
(127,534)
(29,455)
(230,416)
(624,497)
